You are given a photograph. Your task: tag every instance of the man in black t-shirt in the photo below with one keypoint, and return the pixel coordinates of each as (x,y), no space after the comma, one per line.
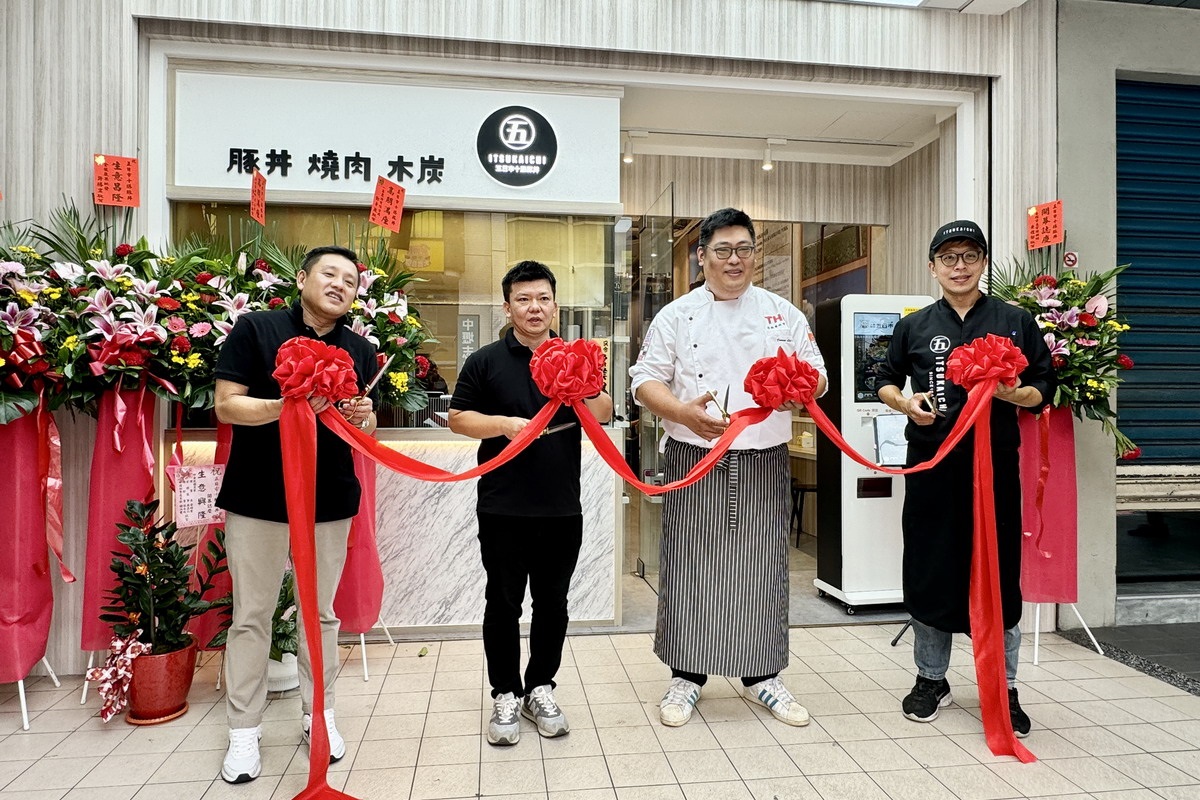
(530,519)
(252,494)
(938,520)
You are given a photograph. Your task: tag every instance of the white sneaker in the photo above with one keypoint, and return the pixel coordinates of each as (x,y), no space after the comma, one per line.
(679,702)
(772,694)
(540,708)
(504,727)
(337,745)
(242,762)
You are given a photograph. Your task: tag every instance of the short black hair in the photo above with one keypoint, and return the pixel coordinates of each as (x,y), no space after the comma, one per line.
(725,218)
(312,256)
(524,272)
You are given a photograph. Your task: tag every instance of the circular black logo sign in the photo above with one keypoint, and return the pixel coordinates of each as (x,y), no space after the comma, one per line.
(517,146)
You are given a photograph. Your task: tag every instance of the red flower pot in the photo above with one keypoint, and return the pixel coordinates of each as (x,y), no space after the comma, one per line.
(160,686)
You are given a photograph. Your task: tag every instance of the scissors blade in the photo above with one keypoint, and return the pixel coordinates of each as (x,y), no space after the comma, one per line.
(725,405)
(375,381)
(556,428)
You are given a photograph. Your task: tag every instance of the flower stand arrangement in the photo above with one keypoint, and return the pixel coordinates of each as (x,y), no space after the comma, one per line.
(153,655)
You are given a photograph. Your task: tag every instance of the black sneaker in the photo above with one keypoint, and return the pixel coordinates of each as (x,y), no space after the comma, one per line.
(926,698)
(1020,720)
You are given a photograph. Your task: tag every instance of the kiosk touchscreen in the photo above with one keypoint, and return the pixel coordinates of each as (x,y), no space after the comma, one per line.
(859,546)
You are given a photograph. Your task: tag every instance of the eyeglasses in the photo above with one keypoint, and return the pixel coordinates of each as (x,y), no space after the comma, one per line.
(724,251)
(968,258)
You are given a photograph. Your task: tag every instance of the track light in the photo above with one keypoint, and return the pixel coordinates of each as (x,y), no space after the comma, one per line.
(767,164)
(628,156)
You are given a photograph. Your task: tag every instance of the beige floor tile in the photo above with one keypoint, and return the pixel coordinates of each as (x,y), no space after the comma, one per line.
(511,778)
(804,734)
(101,793)
(872,701)
(432,783)
(584,794)
(782,789)
(631,641)
(444,750)
(613,715)
(36,794)
(1103,712)
(936,751)
(974,782)
(617,741)
(734,735)
(126,770)
(1151,709)
(569,774)
(395,726)
(191,790)
(457,700)
(640,769)
(462,647)
(578,743)
(408,682)
(662,792)
(11,769)
(1151,738)
(847,682)
(826,703)
(702,766)
(645,672)
(1188,761)
(847,786)
(462,681)
(1149,770)
(912,784)
(454,723)
(580,715)
(601,693)
(1056,716)
(597,658)
(1091,774)
(1187,729)
(393,784)
(412,665)
(722,790)
(30,745)
(1167,793)
(1058,690)
(821,759)
(528,749)
(763,762)
(879,756)
(695,735)
(190,766)
(850,727)
(52,773)
(397,753)
(582,643)
(722,709)
(212,737)
(897,726)
(473,662)
(1096,741)
(890,677)
(151,739)
(590,674)
(1047,745)
(1033,780)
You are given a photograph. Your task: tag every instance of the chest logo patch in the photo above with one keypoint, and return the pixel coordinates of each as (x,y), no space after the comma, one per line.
(775,321)
(939,344)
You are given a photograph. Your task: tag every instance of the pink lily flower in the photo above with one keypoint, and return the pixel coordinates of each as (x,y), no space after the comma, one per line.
(1097,306)
(1058,347)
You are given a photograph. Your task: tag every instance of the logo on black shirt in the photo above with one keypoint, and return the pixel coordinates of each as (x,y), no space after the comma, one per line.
(939,344)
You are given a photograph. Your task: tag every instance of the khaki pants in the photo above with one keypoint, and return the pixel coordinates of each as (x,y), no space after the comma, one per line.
(257,552)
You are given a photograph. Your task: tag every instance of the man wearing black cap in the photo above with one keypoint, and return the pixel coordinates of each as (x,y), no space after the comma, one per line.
(937,518)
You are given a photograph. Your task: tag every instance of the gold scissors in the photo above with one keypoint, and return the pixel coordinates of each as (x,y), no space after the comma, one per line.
(713,396)
(932,405)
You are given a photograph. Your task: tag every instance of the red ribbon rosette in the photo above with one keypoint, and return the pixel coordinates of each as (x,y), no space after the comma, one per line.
(568,371)
(307,367)
(781,378)
(989,358)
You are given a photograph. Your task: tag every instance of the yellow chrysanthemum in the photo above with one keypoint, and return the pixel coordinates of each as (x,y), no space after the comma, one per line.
(379,272)
(95,252)
(178,359)
(25,249)
(2,361)
(70,342)
(29,297)
(194,360)
(399,381)
(52,293)
(193,307)
(411,320)
(166,260)
(356,305)
(125,282)
(189,297)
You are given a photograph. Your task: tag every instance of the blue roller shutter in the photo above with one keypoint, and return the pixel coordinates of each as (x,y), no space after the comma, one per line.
(1158,235)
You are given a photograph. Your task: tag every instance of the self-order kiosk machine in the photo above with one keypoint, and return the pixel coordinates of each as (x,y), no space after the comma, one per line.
(859,544)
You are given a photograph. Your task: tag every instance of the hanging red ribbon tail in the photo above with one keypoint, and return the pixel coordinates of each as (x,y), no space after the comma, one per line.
(119,410)
(370,447)
(1039,503)
(177,454)
(50,474)
(298,440)
(987,618)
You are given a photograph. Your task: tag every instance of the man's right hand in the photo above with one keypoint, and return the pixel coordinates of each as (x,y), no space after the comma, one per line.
(511,426)
(916,409)
(697,419)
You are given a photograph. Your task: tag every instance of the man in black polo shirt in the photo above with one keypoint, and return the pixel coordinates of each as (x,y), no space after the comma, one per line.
(252,494)
(530,519)
(937,519)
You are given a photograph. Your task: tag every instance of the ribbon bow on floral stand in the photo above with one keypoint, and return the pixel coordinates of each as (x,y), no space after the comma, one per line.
(112,680)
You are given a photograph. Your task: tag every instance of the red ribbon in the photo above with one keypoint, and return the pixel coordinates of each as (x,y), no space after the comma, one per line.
(50,479)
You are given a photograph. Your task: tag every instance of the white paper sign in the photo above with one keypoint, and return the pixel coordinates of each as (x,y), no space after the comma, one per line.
(196,489)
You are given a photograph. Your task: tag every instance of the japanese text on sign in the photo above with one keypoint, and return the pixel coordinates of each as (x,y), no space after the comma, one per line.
(468,335)
(115,181)
(388,204)
(332,166)
(196,489)
(258,198)
(1045,224)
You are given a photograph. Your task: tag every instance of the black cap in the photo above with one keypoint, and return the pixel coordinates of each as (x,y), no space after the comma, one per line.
(959,229)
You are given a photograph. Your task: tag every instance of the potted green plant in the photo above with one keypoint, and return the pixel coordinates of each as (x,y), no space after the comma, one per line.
(157,593)
(282,669)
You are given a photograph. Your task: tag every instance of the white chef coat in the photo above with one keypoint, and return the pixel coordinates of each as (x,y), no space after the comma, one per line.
(698,343)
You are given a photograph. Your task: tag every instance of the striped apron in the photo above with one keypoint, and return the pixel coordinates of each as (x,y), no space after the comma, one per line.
(723,570)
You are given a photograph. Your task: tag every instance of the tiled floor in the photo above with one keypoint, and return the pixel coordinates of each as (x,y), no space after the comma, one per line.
(414,731)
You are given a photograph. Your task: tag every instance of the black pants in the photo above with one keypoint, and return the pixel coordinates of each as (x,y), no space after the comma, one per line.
(542,552)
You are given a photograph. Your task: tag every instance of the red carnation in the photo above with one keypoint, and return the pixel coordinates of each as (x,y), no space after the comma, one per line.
(181,344)
(422,366)
(204,277)
(394,318)
(361,267)
(1045,280)
(276,302)
(76,290)
(1058,361)
(1130,455)
(168,304)
(122,250)
(262,264)
(133,357)
(1087,320)
(1124,361)
(52,275)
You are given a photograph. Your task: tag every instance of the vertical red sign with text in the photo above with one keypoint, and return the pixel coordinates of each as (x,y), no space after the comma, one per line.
(1045,224)
(388,204)
(115,181)
(258,198)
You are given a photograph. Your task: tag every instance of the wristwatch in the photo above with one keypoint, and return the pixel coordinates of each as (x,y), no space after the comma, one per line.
(366,421)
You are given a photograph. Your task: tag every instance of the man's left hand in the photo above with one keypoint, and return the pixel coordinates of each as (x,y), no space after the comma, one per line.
(1007,393)
(356,410)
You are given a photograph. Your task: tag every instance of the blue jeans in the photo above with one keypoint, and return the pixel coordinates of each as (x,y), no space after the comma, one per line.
(931,651)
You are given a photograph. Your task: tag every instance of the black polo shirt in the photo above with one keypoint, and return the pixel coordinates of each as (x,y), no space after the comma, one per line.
(253,485)
(543,481)
(923,341)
